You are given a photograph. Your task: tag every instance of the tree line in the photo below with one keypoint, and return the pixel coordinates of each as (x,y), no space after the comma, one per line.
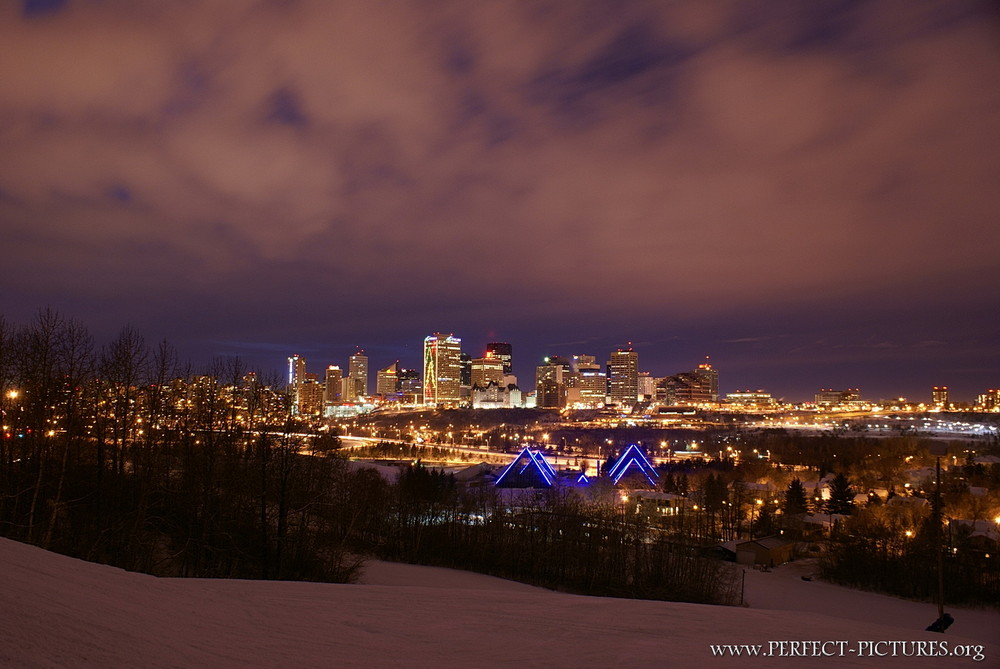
(120,454)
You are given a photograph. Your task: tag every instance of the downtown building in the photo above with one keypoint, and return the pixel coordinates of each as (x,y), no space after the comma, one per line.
(387,382)
(550,382)
(357,370)
(442,370)
(697,387)
(623,377)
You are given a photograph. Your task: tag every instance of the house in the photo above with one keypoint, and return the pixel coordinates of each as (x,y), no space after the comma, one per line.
(768,551)
(654,504)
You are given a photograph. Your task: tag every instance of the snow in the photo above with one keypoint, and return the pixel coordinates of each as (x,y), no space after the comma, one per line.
(62,612)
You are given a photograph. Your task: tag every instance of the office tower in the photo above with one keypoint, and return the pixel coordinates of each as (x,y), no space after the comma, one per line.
(465,370)
(647,385)
(503,351)
(485,370)
(550,382)
(409,381)
(585,363)
(387,381)
(590,383)
(442,369)
(333,393)
(296,377)
(989,401)
(623,377)
(710,377)
(296,370)
(939,397)
(685,388)
(310,393)
(358,371)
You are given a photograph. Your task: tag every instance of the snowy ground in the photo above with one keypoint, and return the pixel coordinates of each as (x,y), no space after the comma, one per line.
(60,612)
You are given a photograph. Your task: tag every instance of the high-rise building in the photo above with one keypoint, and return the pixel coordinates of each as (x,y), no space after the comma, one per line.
(550,383)
(585,363)
(358,370)
(710,377)
(485,370)
(296,377)
(333,393)
(550,394)
(387,381)
(296,370)
(647,385)
(623,377)
(990,400)
(409,381)
(442,369)
(465,370)
(503,351)
(310,396)
(939,397)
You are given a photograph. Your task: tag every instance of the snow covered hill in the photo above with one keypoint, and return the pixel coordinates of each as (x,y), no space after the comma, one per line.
(61,612)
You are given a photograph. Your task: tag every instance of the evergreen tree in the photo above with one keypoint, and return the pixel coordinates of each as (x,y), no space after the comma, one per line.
(795,499)
(841,496)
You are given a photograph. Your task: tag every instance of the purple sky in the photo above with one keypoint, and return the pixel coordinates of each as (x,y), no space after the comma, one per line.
(806,191)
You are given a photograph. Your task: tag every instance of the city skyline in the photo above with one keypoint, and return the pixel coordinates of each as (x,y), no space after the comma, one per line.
(528,378)
(805,192)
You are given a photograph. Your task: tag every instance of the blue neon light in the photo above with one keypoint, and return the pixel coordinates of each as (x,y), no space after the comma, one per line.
(543,466)
(532,458)
(511,466)
(633,455)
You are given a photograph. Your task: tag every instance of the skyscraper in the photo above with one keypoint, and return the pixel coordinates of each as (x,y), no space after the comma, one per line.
(623,377)
(333,391)
(939,397)
(296,377)
(550,384)
(296,370)
(485,370)
(442,369)
(710,377)
(503,351)
(387,381)
(592,383)
(358,371)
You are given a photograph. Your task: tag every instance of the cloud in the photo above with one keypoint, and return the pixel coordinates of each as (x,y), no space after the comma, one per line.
(653,163)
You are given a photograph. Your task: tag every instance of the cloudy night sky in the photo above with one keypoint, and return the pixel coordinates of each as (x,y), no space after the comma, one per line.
(806,191)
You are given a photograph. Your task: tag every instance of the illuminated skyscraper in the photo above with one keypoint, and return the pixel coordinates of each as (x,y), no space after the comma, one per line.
(939,397)
(310,396)
(465,373)
(442,369)
(358,371)
(503,351)
(710,378)
(550,382)
(485,370)
(296,377)
(296,370)
(409,381)
(333,391)
(387,382)
(591,383)
(623,377)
